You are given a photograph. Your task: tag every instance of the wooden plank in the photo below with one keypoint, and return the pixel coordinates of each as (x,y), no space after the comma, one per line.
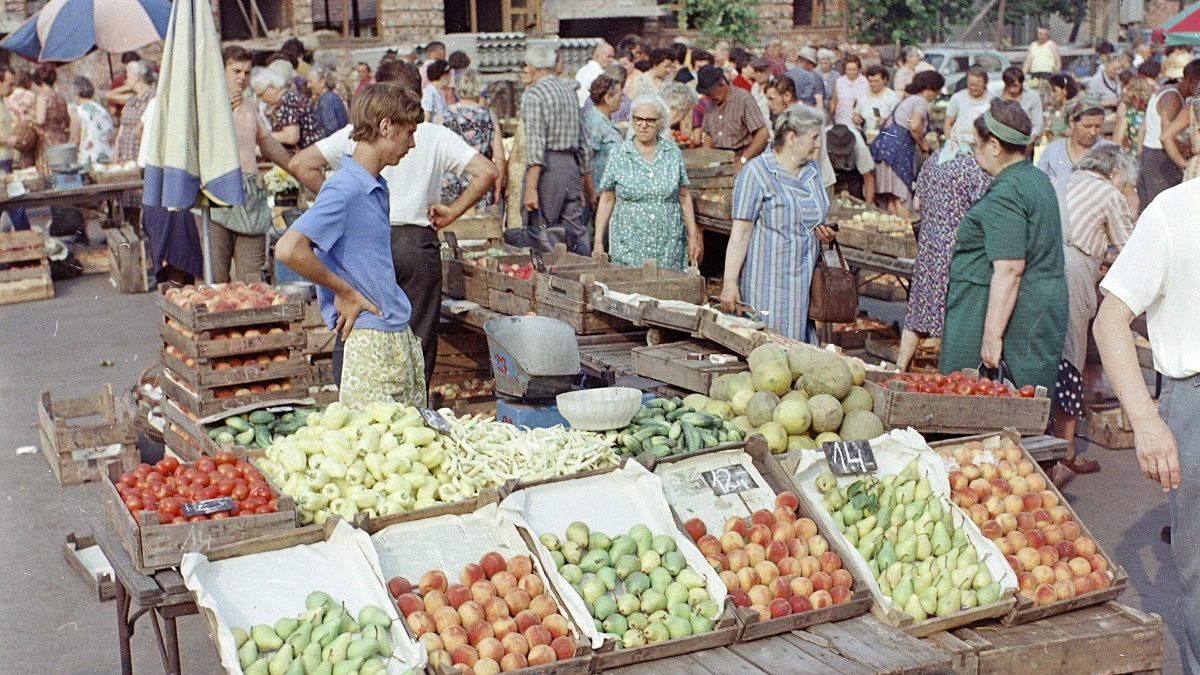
(21,246)
(1108,427)
(868,641)
(964,656)
(101,583)
(206,375)
(202,345)
(670,363)
(141,588)
(779,655)
(79,452)
(199,318)
(205,403)
(720,661)
(26,290)
(39,269)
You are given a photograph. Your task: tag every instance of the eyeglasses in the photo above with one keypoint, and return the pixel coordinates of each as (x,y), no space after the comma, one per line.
(646,121)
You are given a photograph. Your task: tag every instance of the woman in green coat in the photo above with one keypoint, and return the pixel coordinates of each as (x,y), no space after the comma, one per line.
(1007,297)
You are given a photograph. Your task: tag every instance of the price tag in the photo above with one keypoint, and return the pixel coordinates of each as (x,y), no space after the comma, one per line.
(206,506)
(729,479)
(434,420)
(849,457)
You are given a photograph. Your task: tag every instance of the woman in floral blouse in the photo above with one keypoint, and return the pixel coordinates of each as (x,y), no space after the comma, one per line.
(293,120)
(129,134)
(92,126)
(481,130)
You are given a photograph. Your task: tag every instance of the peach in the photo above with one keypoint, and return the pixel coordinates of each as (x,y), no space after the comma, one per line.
(1084,584)
(800,604)
(1053,534)
(540,655)
(736,560)
(779,607)
(1059,514)
(446,616)
(504,581)
(1080,566)
(1100,579)
(1036,538)
(767,571)
(971,471)
(1007,522)
(1062,571)
(1066,549)
(965,497)
(820,599)
(760,595)
(1036,482)
(1004,546)
(809,565)
(1085,546)
(784,515)
(762,517)
(496,608)
(717,561)
(994,505)
(525,619)
(758,534)
(782,532)
(564,647)
(780,588)
(556,624)
(1043,574)
(464,655)
(478,632)
(431,641)
(1029,557)
(1031,501)
(1006,469)
(1049,555)
(731,541)
(821,581)
(543,605)
(798,548)
(958,480)
(1049,499)
(490,648)
(454,637)
(471,573)
(1013,504)
(439,659)
(1014,564)
(435,600)
(1044,594)
(708,544)
(492,563)
(1071,530)
(1026,581)
(1017,540)
(471,612)
(1019,485)
(482,591)
(735,524)
(763,613)
(982,488)
(755,553)
(532,584)
(788,566)
(787,500)
(802,586)
(537,635)
(804,527)
(1097,562)
(517,601)
(747,578)
(738,597)
(829,562)
(1024,467)
(408,603)
(978,513)
(841,578)
(398,586)
(432,580)
(1064,590)
(988,471)
(730,579)
(1000,486)
(503,626)
(1025,522)
(512,662)
(817,545)
(420,622)
(841,595)
(457,594)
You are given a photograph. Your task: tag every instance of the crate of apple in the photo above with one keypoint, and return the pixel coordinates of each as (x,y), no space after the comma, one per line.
(498,617)
(781,569)
(1056,560)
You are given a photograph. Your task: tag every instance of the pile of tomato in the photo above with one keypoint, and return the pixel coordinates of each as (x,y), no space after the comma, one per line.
(960,384)
(519,271)
(167,485)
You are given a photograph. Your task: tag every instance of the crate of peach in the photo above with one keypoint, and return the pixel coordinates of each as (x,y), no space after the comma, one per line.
(1059,565)
(782,573)
(634,583)
(209,401)
(162,511)
(958,403)
(475,599)
(925,561)
(229,305)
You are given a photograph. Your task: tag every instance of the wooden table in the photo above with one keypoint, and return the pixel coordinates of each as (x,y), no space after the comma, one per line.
(111,192)
(162,595)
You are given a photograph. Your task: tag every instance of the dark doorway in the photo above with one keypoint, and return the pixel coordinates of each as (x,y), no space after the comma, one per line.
(802,12)
(611,30)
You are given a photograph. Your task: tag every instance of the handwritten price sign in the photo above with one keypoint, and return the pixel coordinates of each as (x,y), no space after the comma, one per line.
(849,457)
(729,479)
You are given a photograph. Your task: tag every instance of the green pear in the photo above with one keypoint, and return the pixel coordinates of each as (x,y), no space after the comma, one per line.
(370,615)
(323,668)
(638,619)
(897,519)
(281,661)
(690,578)
(905,492)
(678,628)
(363,647)
(940,541)
(923,490)
(873,565)
(550,541)
(599,540)
(247,653)
(621,546)
(914,609)
(285,627)
(988,594)
(571,552)
(929,600)
(891,534)
(572,573)
(851,534)
(884,515)
(317,599)
(660,578)
(962,576)
(969,599)
(372,667)
(324,634)
(239,636)
(558,559)
(887,499)
(921,581)
(641,534)
(902,591)
(627,564)
(604,607)
(594,559)
(924,547)
(906,550)
(592,589)
(579,533)
(680,609)
(349,625)
(628,603)
(951,561)
(608,577)
(697,595)
(700,624)
(866,525)
(838,520)
(656,632)
(884,587)
(674,561)
(909,472)
(348,666)
(894,573)
(663,544)
(887,554)
(653,601)
(649,560)
(967,556)
(259,667)
(914,510)
(907,530)
(637,582)
(615,624)
(936,510)
(867,548)
(982,578)
(944,585)
(336,651)
(708,609)
(297,668)
(266,639)
(311,656)
(958,539)
(950,603)
(633,637)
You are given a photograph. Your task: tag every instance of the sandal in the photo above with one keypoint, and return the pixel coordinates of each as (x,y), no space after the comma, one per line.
(1078,464)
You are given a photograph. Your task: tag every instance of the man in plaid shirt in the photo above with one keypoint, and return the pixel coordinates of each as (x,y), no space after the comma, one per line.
(557,154)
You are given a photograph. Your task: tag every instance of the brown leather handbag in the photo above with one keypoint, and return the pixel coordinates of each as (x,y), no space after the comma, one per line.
(833,296)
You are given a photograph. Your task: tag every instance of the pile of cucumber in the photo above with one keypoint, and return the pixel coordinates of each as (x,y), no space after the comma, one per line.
(665,427)
(259,428)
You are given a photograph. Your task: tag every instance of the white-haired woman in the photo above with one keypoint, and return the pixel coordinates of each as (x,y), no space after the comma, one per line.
(140,78)
(779,207)
(1097,202)
(477,125)
(644,197)
(293,120)
(330,108)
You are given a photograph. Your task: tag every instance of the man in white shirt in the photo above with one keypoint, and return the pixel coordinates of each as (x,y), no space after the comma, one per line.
(758,85)
(414,187)
(602,57)
(871,110)
(1157,273)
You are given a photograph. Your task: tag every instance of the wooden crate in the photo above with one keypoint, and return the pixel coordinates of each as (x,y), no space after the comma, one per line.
(22,246)
(653,314)
(26,290)
(877,242)
(707,162)
(710,183)
(670,363)
(80,451)
(583,319)
(509,303)
(750,627)
(127,268)
(94,260)
(203,374)
(465,280)
(881,287)
(198,319)
(858,338)
(1025,610)
(26,269)
(622,310)
(101,582)
(715,204)
(710,329)
(566,288)
(724,632)
(1108,426)
(202,344)
(952,414)
(1108,638)
(204,402)
(319,341)
(887,347)
(475,226)
(154,546)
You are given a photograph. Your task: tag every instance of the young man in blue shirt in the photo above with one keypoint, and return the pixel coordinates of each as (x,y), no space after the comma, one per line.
(343,244)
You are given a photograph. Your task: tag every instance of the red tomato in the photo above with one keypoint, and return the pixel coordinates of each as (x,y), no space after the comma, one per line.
(189,474)
(219,515)
(261,491)
(154,479)
(264,509)
(163,490)
(149,503)
(206,465)
(941,380)
(133,504)
(225,487)
(196,519)
(250,504)
(274,504)
(210,492)
(228,470)
(128,479)
(1027,391)
(178,520)
(166,466)
(225,457)
(963,389)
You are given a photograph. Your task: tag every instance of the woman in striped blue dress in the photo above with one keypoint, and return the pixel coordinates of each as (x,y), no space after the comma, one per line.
(779,207)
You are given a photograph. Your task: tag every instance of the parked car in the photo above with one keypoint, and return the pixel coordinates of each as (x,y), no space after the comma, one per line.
(953,61)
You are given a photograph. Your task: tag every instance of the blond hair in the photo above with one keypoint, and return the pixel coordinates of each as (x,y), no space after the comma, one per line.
(378,102)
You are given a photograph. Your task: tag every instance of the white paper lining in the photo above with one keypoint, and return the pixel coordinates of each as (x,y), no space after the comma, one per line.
(692,497)
(610,503)
(893,451)
(265,587)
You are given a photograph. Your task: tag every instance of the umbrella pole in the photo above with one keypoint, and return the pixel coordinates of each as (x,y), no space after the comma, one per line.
(206,242)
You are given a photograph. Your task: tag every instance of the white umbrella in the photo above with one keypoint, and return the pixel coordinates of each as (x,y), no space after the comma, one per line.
(192,157)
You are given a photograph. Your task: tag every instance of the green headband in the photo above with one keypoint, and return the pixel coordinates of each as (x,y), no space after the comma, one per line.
(1004,132)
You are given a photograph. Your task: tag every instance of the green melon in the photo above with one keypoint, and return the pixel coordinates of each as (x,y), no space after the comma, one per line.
(793,416)
(827,373)
(826,413)
(761,407)
(860,425)
(857,399)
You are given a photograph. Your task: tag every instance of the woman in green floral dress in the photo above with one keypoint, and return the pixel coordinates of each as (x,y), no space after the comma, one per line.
(644,197)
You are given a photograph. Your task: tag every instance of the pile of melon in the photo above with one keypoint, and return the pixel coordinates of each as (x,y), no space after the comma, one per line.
(799,398)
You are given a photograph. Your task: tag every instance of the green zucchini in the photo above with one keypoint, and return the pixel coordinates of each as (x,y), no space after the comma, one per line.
(237,423)
(262,436)
(261,417)
(244,438)
(217,431)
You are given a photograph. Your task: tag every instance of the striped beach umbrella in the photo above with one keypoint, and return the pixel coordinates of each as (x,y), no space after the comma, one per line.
(1184,27)
(66,30)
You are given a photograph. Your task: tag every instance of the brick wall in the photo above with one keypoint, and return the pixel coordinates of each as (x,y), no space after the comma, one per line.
(411,20)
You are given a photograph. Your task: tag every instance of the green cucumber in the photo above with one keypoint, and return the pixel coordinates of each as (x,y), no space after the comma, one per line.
(243,439)
(261,417)
(217,431)
(262,436)
(237,423)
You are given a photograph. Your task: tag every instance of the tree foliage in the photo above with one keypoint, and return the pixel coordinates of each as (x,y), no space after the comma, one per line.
(732,20)
(918,21)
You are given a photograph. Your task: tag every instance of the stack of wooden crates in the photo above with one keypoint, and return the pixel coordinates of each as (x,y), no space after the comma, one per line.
(24,268)
(220,362)
(710,176)
(318,349)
